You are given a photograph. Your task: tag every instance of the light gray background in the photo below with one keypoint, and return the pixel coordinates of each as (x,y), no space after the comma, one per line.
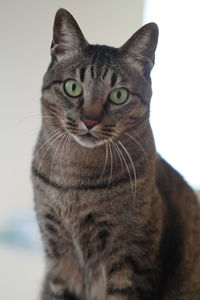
(25,38)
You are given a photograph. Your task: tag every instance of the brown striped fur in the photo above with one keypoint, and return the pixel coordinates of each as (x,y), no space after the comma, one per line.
(117,222)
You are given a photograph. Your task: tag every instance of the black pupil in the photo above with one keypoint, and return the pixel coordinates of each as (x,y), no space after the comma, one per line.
(119,94)
(73,86)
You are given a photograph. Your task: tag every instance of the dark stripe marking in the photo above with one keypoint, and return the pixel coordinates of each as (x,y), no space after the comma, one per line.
(128,260)
(82,74)
(56,281)
(46,180)
(103,236)
(150,292)
(58,186)
(136,267)
(110,125)
(88,220)
(53,248)
(50,217)
(51,228)
(72,124)
(113,79)
(141,98)
(50,85)
(128,291)
(94,58)
(107,130)
(92,71)
(65,296)
(104,73)
(69,295)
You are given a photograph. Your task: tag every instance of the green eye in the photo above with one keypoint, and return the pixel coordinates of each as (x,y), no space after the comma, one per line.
(72,88)
(118,96)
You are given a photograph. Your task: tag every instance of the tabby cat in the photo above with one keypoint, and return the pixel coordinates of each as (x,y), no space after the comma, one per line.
(117,221)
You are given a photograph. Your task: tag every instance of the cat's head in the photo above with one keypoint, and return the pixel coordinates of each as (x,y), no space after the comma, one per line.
(97,93)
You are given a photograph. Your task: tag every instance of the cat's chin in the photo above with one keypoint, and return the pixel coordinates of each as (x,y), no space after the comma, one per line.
(88,141)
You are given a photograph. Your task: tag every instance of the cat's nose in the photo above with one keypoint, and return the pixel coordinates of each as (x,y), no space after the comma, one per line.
(89,122)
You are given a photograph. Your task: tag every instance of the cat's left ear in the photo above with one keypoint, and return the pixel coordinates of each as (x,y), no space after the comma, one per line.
(143,42)
(67,36)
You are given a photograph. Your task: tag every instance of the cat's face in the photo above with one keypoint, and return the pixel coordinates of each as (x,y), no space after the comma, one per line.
(97,93)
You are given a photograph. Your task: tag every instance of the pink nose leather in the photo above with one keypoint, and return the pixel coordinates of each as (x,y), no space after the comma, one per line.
(90,123)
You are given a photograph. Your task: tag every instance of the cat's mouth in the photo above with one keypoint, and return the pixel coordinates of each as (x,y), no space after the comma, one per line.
(88,135)
(88,140)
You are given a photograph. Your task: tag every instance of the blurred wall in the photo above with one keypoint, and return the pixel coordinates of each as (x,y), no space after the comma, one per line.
(175,104)
(26,32)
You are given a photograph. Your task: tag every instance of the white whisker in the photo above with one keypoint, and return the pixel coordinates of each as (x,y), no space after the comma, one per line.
(133,167)
(127,168)
(111,164)
(68,143)
(54,156)
(105,163)
(56,132)
(61,156)
(134,139)
(56,138)
(122,167)
(41,116)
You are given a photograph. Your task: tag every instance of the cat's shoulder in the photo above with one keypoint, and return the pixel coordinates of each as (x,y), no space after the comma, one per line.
(172,185)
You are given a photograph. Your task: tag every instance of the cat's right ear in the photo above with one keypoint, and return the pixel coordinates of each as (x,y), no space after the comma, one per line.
(143,42)
(67,36)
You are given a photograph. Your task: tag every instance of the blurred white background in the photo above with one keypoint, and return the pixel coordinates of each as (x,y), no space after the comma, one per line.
(26,32)
(175,106)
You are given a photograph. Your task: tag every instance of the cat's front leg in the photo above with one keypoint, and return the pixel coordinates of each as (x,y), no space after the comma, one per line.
(130,276)
(121,279)
(55,289)
(106,284)
(96,282)
(118,274)
(63,280)
(63,276)
(110,275)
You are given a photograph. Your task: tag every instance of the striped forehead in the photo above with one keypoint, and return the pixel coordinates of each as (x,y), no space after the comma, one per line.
(95,72)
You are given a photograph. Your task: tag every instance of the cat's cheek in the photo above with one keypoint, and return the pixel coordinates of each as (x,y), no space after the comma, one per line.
(120,127)
(82,126)
(63,123)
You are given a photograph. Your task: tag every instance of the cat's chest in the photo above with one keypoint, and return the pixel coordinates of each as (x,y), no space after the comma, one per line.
(85,210)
